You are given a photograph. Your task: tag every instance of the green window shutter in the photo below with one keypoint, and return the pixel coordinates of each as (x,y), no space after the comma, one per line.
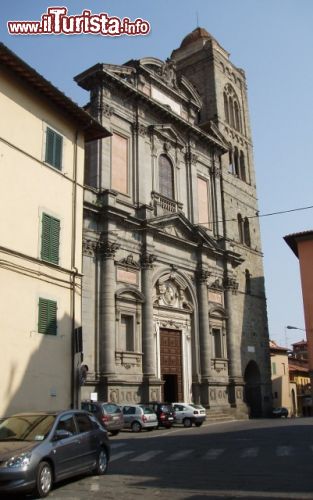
(50,238)
(47,317)
(54,146)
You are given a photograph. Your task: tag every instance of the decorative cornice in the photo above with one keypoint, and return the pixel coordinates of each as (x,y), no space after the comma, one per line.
(107,110)
(202,275)
(191,158)
(231,284)
(147,260)
(129,263)
(107,249)
(139,128)
(89,247)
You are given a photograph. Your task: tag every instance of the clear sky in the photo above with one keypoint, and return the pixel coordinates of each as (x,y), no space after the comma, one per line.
(272,40)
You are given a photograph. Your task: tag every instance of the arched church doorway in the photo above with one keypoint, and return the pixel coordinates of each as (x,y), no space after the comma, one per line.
(171,364)
(253,396)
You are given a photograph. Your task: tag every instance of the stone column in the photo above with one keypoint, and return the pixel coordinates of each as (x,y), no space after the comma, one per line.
(204,335)
(148,341)
(107,309)
(236,383)
(204,332)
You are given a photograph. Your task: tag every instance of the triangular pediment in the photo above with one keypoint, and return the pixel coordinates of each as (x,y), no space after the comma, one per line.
(167,133)
(179,227)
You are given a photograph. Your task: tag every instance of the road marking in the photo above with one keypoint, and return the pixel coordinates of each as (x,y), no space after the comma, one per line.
(250,452)
(146,456)
(213,453)
(117,445)
(180,454)
(122,454)
(283,451)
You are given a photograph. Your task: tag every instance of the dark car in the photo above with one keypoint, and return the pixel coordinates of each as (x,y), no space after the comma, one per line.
(280,412)
(38,449)
(109,415)
(165,413)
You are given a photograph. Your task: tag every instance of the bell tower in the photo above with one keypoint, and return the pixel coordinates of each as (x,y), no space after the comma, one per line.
(223,91)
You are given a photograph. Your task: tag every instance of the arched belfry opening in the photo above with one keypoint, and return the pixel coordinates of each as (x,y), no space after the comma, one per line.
(173,321)
(253,397)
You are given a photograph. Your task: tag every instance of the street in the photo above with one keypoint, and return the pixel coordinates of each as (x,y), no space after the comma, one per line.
(253,459)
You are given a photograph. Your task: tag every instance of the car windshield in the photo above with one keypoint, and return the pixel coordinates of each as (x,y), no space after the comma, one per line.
(146,409)
(26,427)
(198,407)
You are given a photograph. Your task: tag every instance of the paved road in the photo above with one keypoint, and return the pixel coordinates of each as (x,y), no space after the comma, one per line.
(260,459)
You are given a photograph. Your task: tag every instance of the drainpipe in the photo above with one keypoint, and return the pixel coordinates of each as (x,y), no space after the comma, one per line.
(74,271)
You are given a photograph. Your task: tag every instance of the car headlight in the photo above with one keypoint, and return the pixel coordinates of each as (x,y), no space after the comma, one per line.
(22,460)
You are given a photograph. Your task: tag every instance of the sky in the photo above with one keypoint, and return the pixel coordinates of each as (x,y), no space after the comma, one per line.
(272,40)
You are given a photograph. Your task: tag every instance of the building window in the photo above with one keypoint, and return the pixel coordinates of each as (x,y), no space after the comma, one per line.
(244,230)
(50,239)
(126,333)
(166,177)
(119,163)
(232,108)
(242,175)
(54,147)
(273,368)
(240,228)
(236,162)
(248,281)
(47,317)
(217,343)
(203,203)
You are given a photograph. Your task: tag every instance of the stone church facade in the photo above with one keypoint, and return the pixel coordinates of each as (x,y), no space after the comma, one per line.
(174,304)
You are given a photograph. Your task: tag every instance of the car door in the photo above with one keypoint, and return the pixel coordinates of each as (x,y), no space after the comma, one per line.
(179,413)
(66,446)
(129,413)
(89,443)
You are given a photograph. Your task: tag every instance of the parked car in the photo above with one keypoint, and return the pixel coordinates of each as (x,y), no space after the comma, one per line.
(165,413)
(188,414)
(280,412)
(109,415)
(138,417)
(38,449)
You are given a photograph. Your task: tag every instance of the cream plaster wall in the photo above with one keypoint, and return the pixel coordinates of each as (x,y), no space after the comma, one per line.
(36,368)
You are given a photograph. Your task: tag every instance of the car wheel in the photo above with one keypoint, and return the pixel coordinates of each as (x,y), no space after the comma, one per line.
(114,433)
(187,422)
(102,463)
(198,424)
(43,479)
(136,427)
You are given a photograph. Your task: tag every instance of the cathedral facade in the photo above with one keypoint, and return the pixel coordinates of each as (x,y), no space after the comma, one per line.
(174,306)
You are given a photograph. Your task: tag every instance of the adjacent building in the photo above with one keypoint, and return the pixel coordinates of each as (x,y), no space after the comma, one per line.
(284,384)
(302,246)
(174,305)
(42,142)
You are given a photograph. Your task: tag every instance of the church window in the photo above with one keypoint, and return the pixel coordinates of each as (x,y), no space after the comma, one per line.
(248,281)
(126,334)
(217,343)
(236,162)
(242,167)
(246,230)
(226,109)
(119,176)
(240,228)
(166,177)
(230,160)
(232,108)
(203,203)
